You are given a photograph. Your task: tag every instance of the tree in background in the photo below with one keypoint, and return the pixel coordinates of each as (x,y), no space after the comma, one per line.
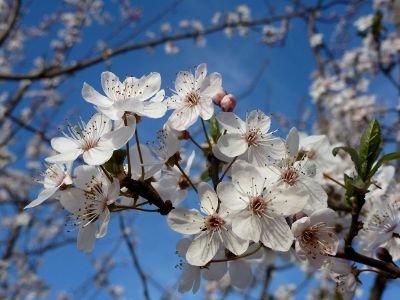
(250,202)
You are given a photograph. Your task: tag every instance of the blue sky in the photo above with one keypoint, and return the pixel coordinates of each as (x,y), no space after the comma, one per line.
(281,88)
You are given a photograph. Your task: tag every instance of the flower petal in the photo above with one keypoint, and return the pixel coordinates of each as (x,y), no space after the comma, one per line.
(208,198)
(94,97)
(185,221)
(202,249)
(104,219)
(276,234)
(43,195)
(231,122)
(232,144)
(97,156)
(86,237)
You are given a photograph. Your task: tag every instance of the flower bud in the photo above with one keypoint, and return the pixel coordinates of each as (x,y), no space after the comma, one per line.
(298,216)
(383,254)
(218,97)
(228,103)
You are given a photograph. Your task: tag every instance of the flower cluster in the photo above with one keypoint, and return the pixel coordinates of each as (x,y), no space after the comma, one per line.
(261,193)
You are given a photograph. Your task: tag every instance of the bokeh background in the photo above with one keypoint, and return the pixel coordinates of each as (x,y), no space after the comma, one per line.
(269,72)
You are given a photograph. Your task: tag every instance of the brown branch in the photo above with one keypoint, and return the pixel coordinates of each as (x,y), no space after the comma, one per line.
(11,21)
(389,268)
(378,288)
(53,71)
(146,191)
(135,259)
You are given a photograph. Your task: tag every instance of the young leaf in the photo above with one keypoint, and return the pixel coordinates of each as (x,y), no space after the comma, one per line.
(115,164)
(353,154)
(370,147)
(382,160)
(215,130)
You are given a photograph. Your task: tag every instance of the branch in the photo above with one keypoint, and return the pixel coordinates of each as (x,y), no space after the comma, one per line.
(11,21)
(352,255)
(135,260)
(53,71)
(146,191)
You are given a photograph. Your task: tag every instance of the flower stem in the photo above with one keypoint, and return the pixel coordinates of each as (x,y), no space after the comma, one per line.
(127,150)
(194,142)
(140,154)
(334,180)
(186,176)
(205,133)
(227,168)
(237,257)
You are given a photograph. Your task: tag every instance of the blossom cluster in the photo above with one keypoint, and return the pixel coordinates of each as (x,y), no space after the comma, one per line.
(262,194)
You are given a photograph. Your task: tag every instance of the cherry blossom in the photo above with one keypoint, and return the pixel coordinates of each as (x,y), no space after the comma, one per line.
(315,237)
(136,96)
(250,140)
(258,210)
(212,231)
(55,176)
(193,97)
(88,202)
(95,140)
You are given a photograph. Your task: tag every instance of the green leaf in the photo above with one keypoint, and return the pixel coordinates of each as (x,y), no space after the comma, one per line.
(115,164)
(215,130)
(382,160)
(352,152)
(370,147)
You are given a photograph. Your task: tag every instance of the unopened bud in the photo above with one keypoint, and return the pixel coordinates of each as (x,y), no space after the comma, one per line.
(298,216)
(228,103)
(218,97)
(383,254)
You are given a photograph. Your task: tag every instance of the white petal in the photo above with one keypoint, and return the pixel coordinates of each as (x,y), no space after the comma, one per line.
(64,144)
(183,78)
(190,279)
(231,122)
(292,142)
(325,215)
(117,139)
(87,237)
(109,81)
(247,179)
(183,118)
(154,110)
(230,197)
(64,157)
(99,123)
(84,174)
(232,144)
(201,72)
(148,86)
(234,243)
(104,219)
(203,249)
(276,234)
(94,97)
(185,221)
(97,156)
(211,85)
(215,272)
(208,198)
(240,273)
(300,225)
(247,226)
(43,195)
(256,119)
(73,200)
(206,109)
(286,203)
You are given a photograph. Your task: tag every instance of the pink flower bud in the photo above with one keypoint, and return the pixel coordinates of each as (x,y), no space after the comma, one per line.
(228,103)
(218,97)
